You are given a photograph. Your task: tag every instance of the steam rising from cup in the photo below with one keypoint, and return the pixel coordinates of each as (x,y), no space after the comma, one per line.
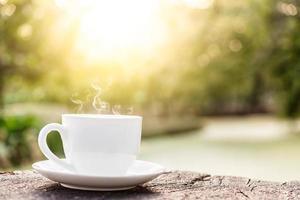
(118,110)
(97,103)
(75,99)
(129,110)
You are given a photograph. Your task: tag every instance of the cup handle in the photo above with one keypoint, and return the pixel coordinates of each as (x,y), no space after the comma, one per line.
(42,141)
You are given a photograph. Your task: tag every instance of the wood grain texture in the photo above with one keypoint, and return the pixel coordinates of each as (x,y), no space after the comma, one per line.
(175,185)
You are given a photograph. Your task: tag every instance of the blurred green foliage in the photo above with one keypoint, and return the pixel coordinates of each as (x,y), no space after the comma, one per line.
(17,144)
(55,144)
(233,57)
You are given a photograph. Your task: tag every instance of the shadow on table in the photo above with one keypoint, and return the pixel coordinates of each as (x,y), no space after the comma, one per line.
(56,191)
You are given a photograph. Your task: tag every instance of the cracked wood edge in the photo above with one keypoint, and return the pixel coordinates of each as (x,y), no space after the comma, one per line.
(175,185)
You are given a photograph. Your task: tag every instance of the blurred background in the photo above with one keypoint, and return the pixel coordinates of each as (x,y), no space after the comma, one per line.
(217,81)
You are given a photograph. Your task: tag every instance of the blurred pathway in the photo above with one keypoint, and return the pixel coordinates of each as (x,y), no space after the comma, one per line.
(261,147)
(255,128)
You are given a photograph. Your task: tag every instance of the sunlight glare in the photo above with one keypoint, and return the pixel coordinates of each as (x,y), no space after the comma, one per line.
(196,4)
(201,4)
(110,28)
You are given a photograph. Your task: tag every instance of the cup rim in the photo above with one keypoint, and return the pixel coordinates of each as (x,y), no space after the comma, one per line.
(101,116)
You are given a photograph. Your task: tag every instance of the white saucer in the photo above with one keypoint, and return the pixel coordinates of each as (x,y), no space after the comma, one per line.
(140,172)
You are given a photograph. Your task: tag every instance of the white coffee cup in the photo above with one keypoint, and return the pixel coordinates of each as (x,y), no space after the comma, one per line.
(104,145)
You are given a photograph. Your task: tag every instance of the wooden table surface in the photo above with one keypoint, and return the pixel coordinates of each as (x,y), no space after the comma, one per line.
(176,185)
